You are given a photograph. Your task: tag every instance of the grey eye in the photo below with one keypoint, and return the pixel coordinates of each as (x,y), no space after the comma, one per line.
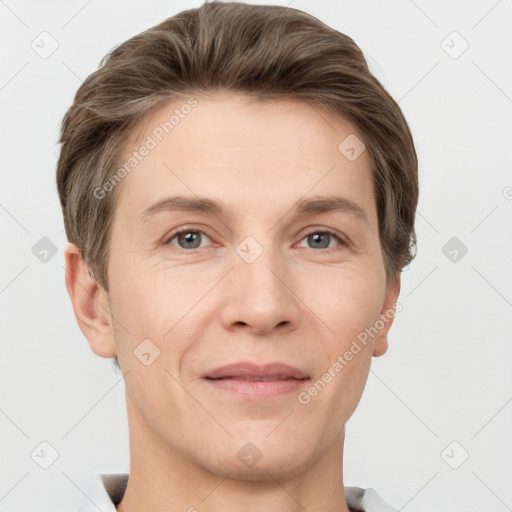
(188,239)
(319,240)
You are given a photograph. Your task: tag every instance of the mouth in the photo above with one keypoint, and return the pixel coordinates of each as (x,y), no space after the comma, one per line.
(255,379)
(258,382)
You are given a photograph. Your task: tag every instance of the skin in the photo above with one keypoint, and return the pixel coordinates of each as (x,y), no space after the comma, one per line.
(206,307)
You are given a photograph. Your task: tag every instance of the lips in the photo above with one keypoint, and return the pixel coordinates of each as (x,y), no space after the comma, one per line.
(251,372)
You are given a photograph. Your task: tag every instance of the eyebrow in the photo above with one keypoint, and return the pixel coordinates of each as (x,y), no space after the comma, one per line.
(206,205)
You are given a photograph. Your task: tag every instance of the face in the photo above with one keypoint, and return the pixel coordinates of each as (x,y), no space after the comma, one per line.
(263,278)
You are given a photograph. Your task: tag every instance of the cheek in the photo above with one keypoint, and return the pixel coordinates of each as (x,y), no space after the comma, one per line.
(141,292)
(163,307)
(345,300)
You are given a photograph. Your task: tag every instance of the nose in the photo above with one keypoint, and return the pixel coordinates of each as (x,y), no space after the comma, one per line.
(260,295)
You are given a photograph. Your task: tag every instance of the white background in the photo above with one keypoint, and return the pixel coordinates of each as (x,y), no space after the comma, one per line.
(447,375)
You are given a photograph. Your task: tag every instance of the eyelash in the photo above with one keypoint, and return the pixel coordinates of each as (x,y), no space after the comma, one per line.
(342,242)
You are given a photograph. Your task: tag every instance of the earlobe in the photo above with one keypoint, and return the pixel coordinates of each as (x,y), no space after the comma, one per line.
(381,345)
(387,316)
(90,304)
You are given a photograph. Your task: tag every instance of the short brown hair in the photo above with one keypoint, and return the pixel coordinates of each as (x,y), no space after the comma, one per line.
(265,51)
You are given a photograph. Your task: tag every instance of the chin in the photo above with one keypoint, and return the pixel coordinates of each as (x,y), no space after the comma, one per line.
(249,463)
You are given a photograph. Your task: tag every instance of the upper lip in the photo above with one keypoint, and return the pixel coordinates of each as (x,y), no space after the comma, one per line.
(251,370)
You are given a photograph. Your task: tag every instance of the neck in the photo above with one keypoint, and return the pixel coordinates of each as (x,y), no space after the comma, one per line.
(162,479)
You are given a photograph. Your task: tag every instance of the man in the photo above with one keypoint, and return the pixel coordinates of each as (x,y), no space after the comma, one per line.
(257,136)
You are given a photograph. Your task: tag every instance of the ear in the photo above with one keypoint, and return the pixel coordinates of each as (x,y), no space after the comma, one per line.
(90,304)
(387,315)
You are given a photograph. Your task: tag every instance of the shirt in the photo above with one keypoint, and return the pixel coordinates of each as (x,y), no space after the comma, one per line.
(106,491)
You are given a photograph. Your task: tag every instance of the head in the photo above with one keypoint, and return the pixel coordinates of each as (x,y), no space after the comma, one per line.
(261,115)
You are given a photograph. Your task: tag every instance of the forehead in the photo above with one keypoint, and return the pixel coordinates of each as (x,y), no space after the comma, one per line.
(256,153)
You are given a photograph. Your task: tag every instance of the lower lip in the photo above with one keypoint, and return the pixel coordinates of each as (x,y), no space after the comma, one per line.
(258,388)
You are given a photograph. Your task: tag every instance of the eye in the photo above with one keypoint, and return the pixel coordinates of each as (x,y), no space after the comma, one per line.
(187,238)
(321,238)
